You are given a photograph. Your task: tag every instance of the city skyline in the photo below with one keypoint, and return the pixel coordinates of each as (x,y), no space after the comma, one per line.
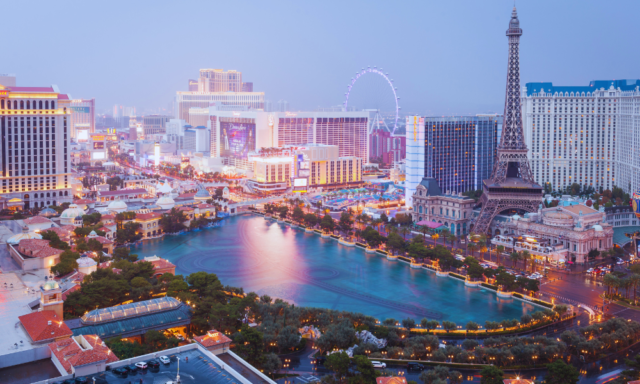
(447,85)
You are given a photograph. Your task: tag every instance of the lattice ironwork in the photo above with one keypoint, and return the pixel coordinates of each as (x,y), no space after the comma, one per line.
(520,191)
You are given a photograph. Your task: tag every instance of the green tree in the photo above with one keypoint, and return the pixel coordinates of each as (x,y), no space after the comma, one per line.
(250,345)
(338,363)
(633,371)
(173,221)
(272,363)
(328,224)
(560,372)
(491,374)
(68,262)
(395,242)
(298,214)
(515,257)
(123,253)
(449,325)
(366,369)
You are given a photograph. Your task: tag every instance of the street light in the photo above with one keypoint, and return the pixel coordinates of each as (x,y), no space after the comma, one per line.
(178,375)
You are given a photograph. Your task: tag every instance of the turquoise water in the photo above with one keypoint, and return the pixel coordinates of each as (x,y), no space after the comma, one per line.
(266,257)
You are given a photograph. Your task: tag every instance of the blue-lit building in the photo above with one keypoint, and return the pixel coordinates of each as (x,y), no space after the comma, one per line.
(460,150)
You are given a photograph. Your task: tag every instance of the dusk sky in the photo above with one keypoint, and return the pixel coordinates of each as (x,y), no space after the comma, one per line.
(446,57)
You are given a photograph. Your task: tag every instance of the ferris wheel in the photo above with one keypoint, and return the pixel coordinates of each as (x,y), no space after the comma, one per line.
(376,93)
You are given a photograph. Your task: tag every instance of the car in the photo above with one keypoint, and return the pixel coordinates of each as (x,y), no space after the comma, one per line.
(378,364)
(69,381)
(590,270)
(120,371)
(620,262)
(153,364)
(415,366)
(164,359)
(141,365)
(82,380)
(131,368)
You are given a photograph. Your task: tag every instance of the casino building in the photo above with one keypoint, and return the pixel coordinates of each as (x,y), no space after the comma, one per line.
(35,162)
(235,134)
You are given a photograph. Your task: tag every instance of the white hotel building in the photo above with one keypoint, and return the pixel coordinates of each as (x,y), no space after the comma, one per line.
(588,135)
(188,100)
(35,164)
(347,130)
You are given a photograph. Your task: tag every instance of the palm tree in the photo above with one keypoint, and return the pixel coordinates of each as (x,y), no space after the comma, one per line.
(445,235)
(404,231)
(482,247)
(424,230)
(499,250)
(452,239)
(472,247)
(435,237)
(526,256)
(514,256)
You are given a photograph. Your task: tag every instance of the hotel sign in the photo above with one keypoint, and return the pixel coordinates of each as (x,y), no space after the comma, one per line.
(79,109)
(4,93)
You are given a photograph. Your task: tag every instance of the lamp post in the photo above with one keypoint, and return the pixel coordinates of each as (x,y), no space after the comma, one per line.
(178,375)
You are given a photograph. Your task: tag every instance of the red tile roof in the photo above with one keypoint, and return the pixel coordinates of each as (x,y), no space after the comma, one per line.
(63,97)
(148,216)
(158,263)
(37,220)
(44,326)
(37,248)
(108,217)
(101,239)
(121,192)
(186,196)
(60,231)
(205,206)
(213,338)
(185,209)
(104,229)
(71,353)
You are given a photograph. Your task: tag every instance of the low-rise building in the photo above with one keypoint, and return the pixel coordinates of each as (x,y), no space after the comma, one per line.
(82,355)
(214,342)
(44,327)
(34,254)
(557,235)
(452,210)
(160,265)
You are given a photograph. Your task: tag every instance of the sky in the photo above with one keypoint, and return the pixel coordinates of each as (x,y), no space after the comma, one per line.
(445,57)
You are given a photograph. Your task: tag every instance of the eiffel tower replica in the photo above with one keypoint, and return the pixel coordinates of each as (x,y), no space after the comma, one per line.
(511,185)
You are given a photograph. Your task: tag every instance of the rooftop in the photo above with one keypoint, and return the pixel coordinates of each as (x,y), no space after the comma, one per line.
(44,326)
(127,311)
(212,338)
(576,209)
(37,220)
(122,192)
(624,85)
(81,350)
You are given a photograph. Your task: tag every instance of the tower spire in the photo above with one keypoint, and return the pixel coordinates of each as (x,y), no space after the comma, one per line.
(511,185)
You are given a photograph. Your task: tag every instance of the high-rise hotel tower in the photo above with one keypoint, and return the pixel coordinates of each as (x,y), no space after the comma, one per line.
(34,160)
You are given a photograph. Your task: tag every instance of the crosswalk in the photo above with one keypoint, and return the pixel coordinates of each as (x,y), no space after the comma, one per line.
(308,379)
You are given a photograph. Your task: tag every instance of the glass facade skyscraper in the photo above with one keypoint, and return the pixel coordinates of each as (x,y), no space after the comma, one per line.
(460,150)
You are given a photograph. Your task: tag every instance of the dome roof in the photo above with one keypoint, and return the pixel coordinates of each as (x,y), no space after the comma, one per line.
(516,217)
(15,239)
(117,204)
(93,234)
(72,212)
(48,212)
(84,262)
(49,285)
(165,188)
(165,202)
(202,192)
(598,228)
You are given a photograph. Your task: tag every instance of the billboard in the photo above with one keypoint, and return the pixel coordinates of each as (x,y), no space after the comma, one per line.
(83,135)
(98,145)
(237,139)
(98,155)
(300,182)
(80,109)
